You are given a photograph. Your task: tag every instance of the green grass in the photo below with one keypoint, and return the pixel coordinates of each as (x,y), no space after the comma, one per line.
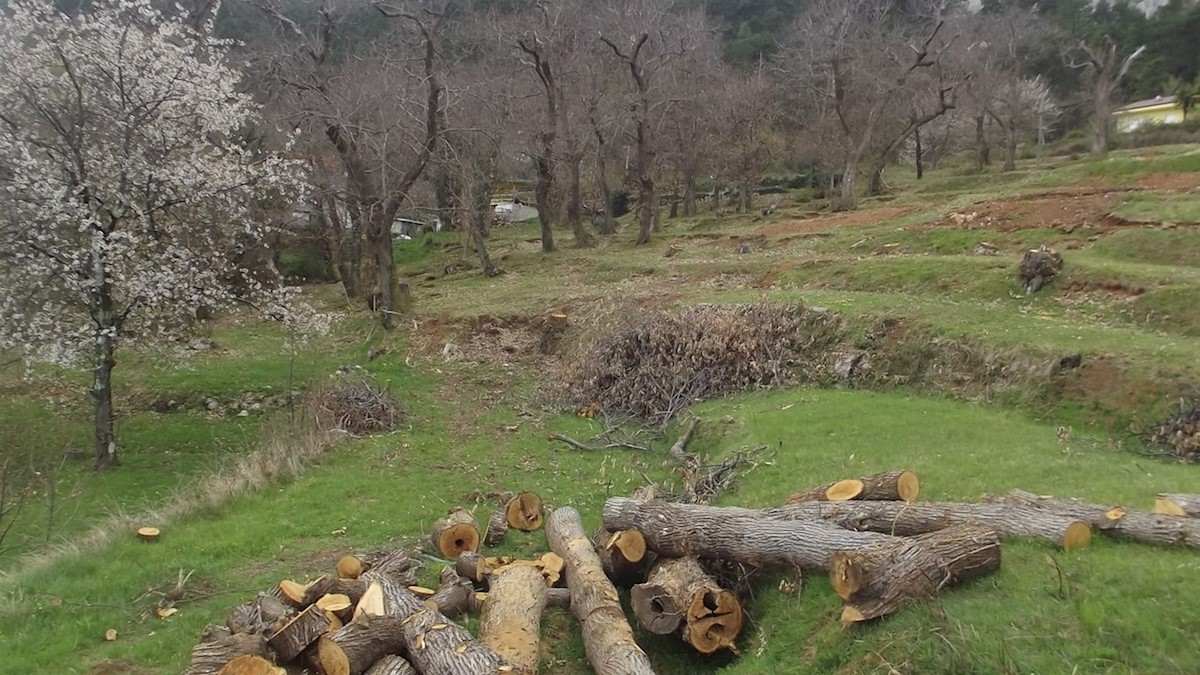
(1125,301)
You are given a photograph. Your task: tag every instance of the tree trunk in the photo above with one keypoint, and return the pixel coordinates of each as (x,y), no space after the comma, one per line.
(906,520)
(480,215)
(575,204)
(679,596)
(1102,110)
(218,647)
(737,535)
(920,161)
(607,637)
(105,437)
(743,205)
(510,622)
(1010,146)
(875,175)
(887,486)
(391,665)
(1187,506)
(380,241)
(1115,521)
(983,152)
(542,194)
(689,193)
(608,224)
(847,198)
(879,580)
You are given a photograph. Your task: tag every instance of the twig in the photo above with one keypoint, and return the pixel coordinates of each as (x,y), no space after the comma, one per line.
(610,445)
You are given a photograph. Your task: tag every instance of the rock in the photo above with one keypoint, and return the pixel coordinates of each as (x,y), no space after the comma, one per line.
(848,364)
(200,344)
(986,248)
(212,404)
(244,413)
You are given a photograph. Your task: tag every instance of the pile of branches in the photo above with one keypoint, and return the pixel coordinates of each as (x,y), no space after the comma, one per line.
(1180,432)
(358,406)
(658,364)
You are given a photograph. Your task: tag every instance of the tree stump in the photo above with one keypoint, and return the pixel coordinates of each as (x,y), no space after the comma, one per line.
(607,636)
(148,534)
(218,646)
(887,486)
(510,622)
(299,633)
(1187,506)
(680,597)
(879,580)
(525,512)
(455,533)
(1038,267)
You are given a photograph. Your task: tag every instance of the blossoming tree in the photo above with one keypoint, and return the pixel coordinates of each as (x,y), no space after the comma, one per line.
(127,194)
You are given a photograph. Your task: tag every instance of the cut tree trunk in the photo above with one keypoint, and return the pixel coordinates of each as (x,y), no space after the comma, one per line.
(471,565)
(1178,505)
(623,555)
(218,647)
(738,535)
(251,665)
(879,580)
(906,520)
(455,594)
(455,533)
(433,644)
(510,622)
(890,485)
(1114,521)
(525,512)
(497,528)
(289,641)
(353,648)
(391,665)
(607,636)
(679,596)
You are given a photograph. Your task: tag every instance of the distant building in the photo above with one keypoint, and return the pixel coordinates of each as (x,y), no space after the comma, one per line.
(1141,114)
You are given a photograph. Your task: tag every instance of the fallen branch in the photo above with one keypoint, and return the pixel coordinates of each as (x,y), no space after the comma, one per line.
(608,445)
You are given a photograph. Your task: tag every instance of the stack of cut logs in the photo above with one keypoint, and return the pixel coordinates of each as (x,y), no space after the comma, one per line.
(880,547)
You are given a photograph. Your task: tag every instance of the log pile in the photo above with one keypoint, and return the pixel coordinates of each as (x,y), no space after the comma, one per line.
(881,549)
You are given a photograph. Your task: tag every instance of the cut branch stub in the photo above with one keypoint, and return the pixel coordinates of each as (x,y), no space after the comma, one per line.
(888,486)
(299,633)
(1187,506)
(879,580)
(524,512)
(680,597)
(455,533)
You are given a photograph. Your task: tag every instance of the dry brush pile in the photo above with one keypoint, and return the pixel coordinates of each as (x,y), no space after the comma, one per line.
(880,547)
(1179,433)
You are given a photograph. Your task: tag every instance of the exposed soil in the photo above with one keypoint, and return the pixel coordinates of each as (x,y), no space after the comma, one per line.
(1067,211)
(835,220)
(1170,182)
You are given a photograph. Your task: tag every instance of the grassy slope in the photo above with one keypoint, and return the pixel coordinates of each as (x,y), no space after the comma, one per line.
(1102,609)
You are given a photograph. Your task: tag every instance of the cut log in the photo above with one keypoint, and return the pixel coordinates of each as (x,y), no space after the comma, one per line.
(265,615)
(906,520)
(623,555)
(251,665)
(607,636)
(395,563)
(471,565)
(680,597)
(148,534)
(524,512)
(433,644)
(740,535)
(455,533)
(299,633)
(1113,521)
(889,486)
(510,622)
(371,603)
(337,604)
(218,646)
(497,528)
(455,594)
(349,567)
(1187,506)
(353,648)
(391,665)
(879,580)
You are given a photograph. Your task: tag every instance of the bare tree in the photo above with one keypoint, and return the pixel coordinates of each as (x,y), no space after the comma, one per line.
(1106,70)
(745,113)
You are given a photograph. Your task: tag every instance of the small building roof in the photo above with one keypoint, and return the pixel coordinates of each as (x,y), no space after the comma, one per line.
(1147,103)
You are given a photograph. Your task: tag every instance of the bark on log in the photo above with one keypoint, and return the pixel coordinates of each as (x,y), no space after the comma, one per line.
(497,528)
(524,512)
(679,596)
(218,647)
(265,615)
(607,636)
(740,535)
(289,641)
(353,648)
(251,665)
(906,520)
(1114,521)
(1187,506)
(434,644)
(470,565)
(879,580)
(394,563)
(510,622)
(455,594)
(888,486)
(391,665)
(623,555)
(455,533)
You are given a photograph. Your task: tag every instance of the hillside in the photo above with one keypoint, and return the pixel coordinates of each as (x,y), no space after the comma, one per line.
(466,368)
